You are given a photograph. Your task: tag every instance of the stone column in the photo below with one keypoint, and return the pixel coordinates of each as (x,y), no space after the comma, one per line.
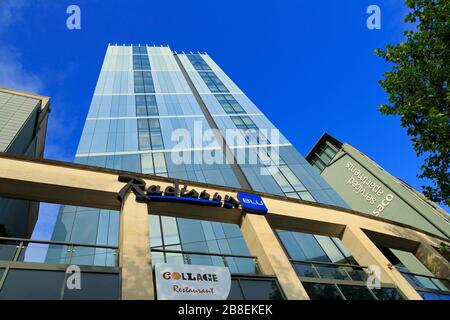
(272,260)
(134,251)
(366,253)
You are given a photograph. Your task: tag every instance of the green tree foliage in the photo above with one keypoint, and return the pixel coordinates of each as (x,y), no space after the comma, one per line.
(444,248)
(418,90)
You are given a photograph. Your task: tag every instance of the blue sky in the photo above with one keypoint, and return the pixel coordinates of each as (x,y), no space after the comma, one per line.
(308,65)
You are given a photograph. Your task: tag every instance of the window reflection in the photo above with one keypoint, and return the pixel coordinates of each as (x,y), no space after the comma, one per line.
(387,294)
(28,284)
(318,291)
(254,289)
(32,285)
(417,274)
(95,286)
(7,251)
(191,238)
(309,247)
(356,292)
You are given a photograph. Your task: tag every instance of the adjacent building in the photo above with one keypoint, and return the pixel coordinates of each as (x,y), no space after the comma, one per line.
(367,187)
(23,126)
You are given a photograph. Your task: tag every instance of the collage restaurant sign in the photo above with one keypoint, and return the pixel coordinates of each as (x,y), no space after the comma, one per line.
(191,282)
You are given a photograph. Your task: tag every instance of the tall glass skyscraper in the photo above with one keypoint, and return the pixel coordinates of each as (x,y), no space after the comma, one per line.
(146,101)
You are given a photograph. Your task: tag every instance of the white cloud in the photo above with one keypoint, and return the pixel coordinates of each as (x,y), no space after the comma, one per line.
(10,12)
(13,75)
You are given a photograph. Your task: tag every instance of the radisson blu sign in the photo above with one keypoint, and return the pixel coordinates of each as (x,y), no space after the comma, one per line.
(252,203)
(191,282)
(248,202)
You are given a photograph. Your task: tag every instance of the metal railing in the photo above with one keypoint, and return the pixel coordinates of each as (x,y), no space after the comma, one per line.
(329,270)
(57,252)
(238,264)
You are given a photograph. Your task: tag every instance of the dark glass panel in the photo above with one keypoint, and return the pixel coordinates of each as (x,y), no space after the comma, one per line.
(212,81)
(331,272)
(141,111)
(355,273)
(411,279)
(387,294)
(198,259)
(305,270)
(152,110)
(198,62)
(442,284)
(356,293)
(425,282)
(260,290)
(156,139)
(144,141)
(140,100)
(139,50)
(7,251)
(238,245)
(317,291)
(242,265)
(95,286)
(154,124)
(291,246)
(311,248)
(32,285)
(428,295)
(235,291)
(191,232)
(231,230)
(138,88)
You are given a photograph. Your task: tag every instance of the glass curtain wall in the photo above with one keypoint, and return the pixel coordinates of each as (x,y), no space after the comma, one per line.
(187,241)
(418,275)
(327,269)
(142,97)
(231,109)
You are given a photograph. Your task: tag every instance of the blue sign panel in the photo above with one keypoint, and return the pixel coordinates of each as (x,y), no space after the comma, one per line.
(206,202)
(251,203)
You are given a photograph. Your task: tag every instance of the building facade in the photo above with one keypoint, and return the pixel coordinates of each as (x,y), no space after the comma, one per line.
(144,189)
(367,187)
(145,98)
(297,249)
(23,126)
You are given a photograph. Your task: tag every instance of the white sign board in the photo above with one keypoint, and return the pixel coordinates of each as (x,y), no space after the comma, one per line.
(191,282)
